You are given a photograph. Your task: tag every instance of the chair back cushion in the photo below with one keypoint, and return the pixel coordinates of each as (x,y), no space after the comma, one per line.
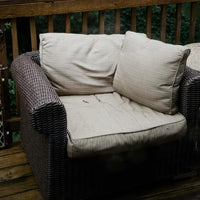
(80,64)
(193,60)
(149,72)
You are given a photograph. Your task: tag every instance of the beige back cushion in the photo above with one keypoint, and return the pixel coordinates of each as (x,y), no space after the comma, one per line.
(193,60)
(80,64)
(149,72)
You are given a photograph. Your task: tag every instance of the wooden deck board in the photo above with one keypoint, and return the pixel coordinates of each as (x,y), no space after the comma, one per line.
(10,173)
(27,195)
(16,179)
(16,148)
(17,182)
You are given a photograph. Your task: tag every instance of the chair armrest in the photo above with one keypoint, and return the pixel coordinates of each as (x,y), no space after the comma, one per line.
(190,96)
(38,96)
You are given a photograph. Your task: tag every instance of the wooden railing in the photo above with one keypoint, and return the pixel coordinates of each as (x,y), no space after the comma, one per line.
(10,10)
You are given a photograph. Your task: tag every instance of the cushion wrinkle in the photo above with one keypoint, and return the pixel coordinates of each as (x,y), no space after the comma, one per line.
(111,122)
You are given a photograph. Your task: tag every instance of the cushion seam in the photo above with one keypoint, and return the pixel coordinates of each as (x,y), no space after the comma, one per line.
(171,99)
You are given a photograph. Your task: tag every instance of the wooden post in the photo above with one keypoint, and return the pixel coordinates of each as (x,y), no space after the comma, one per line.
(101,22)
(117,21)
(5,136)
(178,23)
(84,23)
(33,34)
(68,23)
(50,24)
(192,22)
(148,23)
(133,19)
(163,23)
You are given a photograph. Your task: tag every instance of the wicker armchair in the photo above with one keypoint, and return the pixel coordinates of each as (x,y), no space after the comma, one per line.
(44,137)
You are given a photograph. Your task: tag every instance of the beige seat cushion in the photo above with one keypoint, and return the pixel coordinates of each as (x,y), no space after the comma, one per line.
(104,123)
(149,72)
(193,60)
(80,64)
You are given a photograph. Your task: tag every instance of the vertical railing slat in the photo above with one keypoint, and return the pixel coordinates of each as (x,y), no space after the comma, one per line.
(33,34)
(148,24)
(85,23)
(3,52)
(192,22)
(15,50)
(178,23)
(163,23)
(50,24)
(133,19)
(68,24)
(15,47)
(101,22)
(3,61)
(117,21)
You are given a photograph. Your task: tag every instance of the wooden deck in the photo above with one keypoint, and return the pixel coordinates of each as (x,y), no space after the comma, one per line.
(16,178)
(17,182)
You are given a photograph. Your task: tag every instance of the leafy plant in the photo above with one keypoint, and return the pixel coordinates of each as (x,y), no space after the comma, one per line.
(12,94)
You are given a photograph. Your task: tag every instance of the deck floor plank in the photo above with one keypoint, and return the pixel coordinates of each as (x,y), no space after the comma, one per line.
(17,186)
(18,183)
(11,173)
(16,148)
(27,195)
(13,160)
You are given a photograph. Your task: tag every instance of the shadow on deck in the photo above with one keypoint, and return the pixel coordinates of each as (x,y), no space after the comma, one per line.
(17,182)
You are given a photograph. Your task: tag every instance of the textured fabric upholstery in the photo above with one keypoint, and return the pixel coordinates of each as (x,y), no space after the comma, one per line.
(149,72)
(193,60)
(109,122)
(80,64)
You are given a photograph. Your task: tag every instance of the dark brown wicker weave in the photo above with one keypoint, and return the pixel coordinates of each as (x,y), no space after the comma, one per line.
(44,129)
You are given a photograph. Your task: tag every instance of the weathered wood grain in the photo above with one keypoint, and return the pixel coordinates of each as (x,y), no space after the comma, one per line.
(16,179)
(62,7)
(50,24)
(192,22)
(178,23)
(148,23)
(27,195)
(13,160)
(3,62)
(14,148)
(11,173)
(85,23)
(33,34)
(117,21)
(68,24)
(17,186)
(163,23)
(14,33)
(101,22)
(133,19)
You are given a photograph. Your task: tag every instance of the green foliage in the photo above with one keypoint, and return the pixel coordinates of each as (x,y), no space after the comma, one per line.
(7,26)
(16,136)
(12,93)
(93,22)
(76,21)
